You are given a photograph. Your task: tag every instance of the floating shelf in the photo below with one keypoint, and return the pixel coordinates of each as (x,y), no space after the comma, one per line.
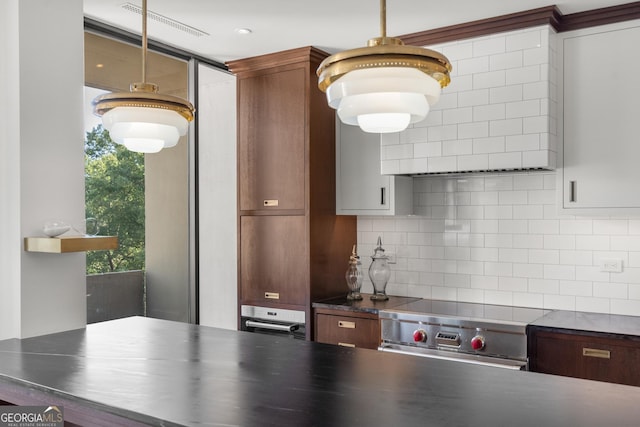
(63,244)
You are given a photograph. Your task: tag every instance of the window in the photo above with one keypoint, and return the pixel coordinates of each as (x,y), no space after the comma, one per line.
(143,199)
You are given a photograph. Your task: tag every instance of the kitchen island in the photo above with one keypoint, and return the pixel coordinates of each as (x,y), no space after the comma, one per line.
(141,371)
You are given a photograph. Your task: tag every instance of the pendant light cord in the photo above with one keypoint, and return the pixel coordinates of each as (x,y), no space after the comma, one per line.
(383,18)
(144,41)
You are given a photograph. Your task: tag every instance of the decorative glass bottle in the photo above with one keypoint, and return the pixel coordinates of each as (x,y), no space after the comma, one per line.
(379,273)
(354,276)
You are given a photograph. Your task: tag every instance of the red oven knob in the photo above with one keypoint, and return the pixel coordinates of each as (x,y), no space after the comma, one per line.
(420,335)
(477,342)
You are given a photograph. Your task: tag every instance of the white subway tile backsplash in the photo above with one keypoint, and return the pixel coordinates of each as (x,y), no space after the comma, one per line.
(541,197)
(502,61)
(535,56)
(529,241)
(625,307)
(498,297)
(593,242)
(476,64)
(489,46)
(561,272)
(499,238)
(624,243)
(544,286)
(544,256)
(522,142)
(611,226)
(512,284)
(524,299)
(522,75)
(505,127)
(513,255)
(457,147)
(576,288)
(528,212)
(569,257)
(559,302)
(523,109)
(489,145)
(536,90)
(474,162)
(610,290)
(524,40)
(489,79)
(595,305)
(500,95)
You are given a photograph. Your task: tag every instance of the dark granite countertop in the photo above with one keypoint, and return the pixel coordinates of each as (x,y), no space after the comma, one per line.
(167,373)
(612,324)
(365,305)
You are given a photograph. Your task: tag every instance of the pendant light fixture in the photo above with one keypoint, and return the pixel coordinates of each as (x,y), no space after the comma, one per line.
(385,86)
(142,119)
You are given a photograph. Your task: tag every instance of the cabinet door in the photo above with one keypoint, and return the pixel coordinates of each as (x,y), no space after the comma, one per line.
(360,187)
(347,331)
(271,140)
(273,260)
(600,125)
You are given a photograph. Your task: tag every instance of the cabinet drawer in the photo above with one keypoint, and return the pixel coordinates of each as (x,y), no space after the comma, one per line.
(594,358)
(347,331)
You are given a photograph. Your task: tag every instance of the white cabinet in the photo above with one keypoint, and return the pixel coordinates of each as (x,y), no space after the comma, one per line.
(601,121)
(360,187)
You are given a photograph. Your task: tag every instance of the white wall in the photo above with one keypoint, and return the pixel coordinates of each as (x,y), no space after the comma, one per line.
(9,172)
(43,151)
(217,192)
(498,239)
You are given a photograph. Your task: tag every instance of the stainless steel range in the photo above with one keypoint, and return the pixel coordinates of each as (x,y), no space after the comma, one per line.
(466,332)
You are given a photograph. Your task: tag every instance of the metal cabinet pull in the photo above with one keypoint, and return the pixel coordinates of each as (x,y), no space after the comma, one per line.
(345,324)
(272,295)
(592,352)
(572,191)
(271,202)
(346,344)
(383,196)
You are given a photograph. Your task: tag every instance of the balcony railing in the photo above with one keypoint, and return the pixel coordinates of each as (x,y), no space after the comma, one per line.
(115,295)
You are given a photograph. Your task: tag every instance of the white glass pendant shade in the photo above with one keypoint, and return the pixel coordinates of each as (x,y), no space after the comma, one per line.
(385,99)
(145,129)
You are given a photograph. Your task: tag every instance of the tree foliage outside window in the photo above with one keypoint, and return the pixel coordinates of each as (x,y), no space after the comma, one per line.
(114,195)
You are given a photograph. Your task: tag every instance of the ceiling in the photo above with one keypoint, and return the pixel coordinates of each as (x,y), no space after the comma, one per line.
(331,25)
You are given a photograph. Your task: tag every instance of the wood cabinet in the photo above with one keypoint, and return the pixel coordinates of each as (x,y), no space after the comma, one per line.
(599,125)
(293,248)
(360,187)
(349,329)
(271,128)
(595,356)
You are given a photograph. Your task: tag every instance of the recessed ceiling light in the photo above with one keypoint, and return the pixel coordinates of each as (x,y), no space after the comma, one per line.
(99,65)
(243,31)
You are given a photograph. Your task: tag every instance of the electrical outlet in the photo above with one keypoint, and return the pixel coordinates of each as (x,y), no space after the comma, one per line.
(611,265)
(392,257)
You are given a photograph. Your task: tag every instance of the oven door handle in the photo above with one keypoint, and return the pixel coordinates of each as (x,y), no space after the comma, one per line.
(271,326)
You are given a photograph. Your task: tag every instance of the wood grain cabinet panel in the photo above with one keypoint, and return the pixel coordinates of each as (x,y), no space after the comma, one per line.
(271,140)
(271,249)
(348,331)
(595,357)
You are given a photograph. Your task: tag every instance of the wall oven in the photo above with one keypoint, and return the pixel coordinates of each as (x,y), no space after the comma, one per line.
(273,321)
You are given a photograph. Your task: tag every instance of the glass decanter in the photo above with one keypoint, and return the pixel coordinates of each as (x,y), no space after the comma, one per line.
(379,273)
(354,276)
